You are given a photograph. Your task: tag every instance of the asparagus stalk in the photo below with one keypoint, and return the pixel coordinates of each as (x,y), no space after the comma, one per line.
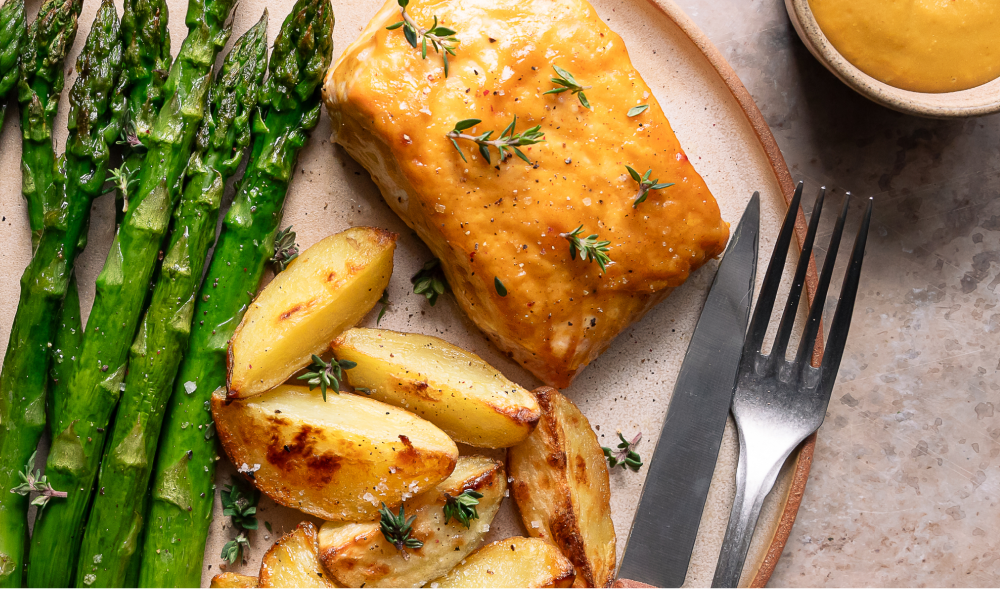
(45,281)
(49,38)
(147,59)
(183,489)
(11,38)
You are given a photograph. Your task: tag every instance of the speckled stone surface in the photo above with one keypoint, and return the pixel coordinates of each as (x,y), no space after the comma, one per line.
(905,486)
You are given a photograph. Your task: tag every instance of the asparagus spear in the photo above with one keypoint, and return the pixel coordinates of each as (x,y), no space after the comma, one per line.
(11,38)
(183,489)
(147,59)
(45,281)
(49,38)
(110,540)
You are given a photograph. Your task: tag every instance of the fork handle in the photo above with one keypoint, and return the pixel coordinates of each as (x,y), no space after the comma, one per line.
(626,584)
(755,476)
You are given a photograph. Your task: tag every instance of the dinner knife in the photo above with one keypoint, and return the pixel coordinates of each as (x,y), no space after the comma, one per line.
(666,522)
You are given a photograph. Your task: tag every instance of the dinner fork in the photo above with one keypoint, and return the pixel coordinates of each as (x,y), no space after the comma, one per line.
(777,403)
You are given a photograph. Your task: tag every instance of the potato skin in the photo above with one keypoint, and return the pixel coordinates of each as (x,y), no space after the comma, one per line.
(562,488)
(293,562)
(513,562)
(234,581)
(450,387)
(358,554)
(324,291)
(337,460)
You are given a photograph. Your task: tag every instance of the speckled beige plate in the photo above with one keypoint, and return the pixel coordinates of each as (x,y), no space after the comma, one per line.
(628,388)
(974,102)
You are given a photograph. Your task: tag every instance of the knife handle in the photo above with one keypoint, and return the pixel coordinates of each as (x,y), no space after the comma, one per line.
(629,583)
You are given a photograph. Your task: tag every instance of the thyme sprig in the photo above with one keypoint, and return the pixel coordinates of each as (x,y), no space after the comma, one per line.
(430,281)
(645,185)
(130,136)
(38,483)
(397,529)
(441,38)
(285,249)
(384,301)
(327,375)
(625,455)
(124,179)
(241,508)
(588,247)
(568,83)
(462,507)
(506,143)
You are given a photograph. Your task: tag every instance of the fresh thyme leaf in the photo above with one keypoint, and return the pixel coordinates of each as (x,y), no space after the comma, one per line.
(645,185)
(36,482)
(588,247)
(364,390)
(285,249)
(130,136)
(124,180)
(397,529)
(462,508)
(508,142)
(441,38)
(267,525)
(327,374)
(566,82)
(235,548)
(240,506)
(637,110)
(385,305)
(625,456)
(430,281)
(501,289)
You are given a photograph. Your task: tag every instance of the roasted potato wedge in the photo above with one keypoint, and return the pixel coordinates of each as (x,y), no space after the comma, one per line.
(293,561)
(338,459)
(562,489)
(446,385)
(514,562)
(358,554)
(327,289)
(234,581)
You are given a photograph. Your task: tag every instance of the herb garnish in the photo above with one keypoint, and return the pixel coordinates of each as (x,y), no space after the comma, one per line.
(385,305)
(588,247)
(442,38)
(130,136)
(397,529)
(625,455)
(645,185)
(241,507)
(123,180)
(430,281)
(38,483)
(501,289)
(567,82)
(462,507)
(285,249)
(327,374)
(505,144)
(637,110)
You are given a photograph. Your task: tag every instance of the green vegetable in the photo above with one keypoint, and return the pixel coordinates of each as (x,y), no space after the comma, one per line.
(49,38)
(110,541)
(175,537)
(12,33)
(92,123)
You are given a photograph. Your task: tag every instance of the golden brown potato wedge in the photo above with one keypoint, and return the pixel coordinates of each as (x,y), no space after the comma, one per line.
(562,489)
(358,554)
(514,562)
(293,562)
(327,289)
(446,385)
(234,581)
(338,459)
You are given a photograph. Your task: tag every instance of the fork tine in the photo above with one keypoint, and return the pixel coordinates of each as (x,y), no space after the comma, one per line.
(808,342)
(845,308)
(794,295)
(772,279)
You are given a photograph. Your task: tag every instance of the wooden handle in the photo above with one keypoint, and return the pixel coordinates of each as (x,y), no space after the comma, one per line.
(629,583)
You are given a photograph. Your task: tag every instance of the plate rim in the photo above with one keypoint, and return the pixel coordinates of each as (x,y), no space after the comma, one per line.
(762,570)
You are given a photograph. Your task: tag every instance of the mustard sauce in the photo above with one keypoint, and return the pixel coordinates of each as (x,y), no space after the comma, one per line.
(919,45)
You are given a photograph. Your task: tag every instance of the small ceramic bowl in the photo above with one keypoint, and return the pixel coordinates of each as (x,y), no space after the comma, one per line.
(981,100)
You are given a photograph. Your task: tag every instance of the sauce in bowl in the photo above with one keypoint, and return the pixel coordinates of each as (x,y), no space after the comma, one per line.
(918,45)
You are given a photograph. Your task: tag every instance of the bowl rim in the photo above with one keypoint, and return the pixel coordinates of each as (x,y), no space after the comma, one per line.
(972,102)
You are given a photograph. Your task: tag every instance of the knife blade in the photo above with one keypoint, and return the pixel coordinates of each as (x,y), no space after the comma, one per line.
(666,522)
